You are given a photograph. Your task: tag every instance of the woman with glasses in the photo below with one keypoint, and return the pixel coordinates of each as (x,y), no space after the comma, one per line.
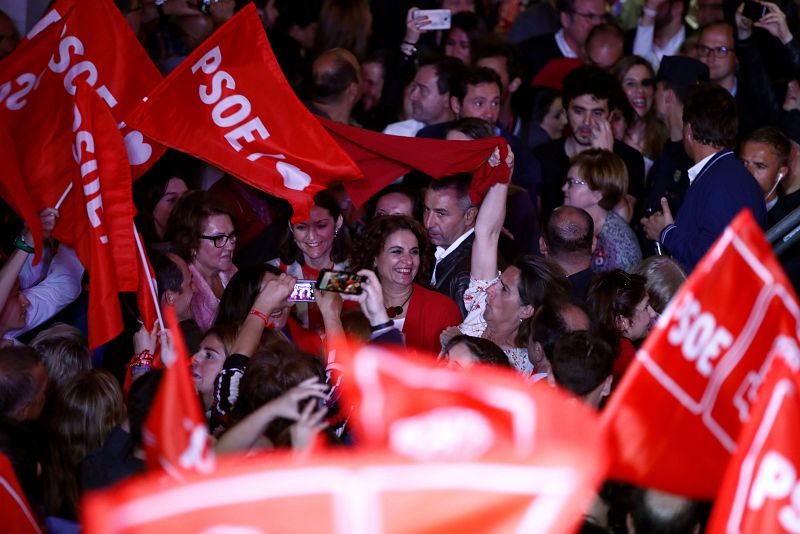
(620,304)
(596,181)
(202,230)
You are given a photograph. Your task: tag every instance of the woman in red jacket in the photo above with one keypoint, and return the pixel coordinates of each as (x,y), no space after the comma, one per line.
(396,247)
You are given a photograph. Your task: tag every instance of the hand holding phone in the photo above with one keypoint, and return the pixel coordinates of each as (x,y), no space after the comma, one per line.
(438,19)
(340,282)
(753,10)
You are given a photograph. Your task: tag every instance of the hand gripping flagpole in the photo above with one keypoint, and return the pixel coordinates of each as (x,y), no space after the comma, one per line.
(150,282)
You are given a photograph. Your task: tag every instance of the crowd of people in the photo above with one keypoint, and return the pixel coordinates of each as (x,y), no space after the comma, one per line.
(637,131)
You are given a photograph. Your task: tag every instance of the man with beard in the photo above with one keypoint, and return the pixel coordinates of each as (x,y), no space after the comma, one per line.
(660,31)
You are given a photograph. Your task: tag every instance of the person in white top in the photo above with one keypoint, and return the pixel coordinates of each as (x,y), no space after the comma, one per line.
(660,31)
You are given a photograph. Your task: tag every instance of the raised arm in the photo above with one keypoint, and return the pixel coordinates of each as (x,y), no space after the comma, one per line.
(272,296)
(489,224)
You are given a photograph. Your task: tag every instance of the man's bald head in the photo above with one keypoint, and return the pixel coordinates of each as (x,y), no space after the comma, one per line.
(333,72)
(568,232)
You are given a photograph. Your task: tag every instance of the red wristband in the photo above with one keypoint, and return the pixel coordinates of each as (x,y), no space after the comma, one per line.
(261,316)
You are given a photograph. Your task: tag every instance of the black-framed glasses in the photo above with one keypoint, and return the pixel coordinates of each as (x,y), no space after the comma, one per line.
(720,51)
(591,17)
(220,240)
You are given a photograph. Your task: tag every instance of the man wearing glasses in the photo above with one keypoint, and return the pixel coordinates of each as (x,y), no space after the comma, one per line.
(577,18)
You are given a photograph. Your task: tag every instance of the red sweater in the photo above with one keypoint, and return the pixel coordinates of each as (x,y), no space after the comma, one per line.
(429,312)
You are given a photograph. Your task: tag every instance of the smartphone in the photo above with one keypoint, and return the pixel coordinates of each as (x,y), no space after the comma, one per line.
(754,10)
(303,291)
(340,282)
(439,18)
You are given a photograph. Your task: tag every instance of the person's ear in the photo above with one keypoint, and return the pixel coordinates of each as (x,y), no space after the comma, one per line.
(470,215)
(542,246)
(514,85)
(622,323)
(168,297)
(526,312)
(455,105)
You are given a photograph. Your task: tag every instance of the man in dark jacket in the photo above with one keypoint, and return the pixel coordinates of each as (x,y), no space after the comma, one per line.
(719,184)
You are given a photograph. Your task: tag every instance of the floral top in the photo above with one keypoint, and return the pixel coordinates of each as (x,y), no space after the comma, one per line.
(475,325)
(617,246)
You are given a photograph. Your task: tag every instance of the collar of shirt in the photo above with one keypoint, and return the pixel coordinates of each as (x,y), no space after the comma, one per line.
(441,253)
(695,169)
(672,46)
(566,51)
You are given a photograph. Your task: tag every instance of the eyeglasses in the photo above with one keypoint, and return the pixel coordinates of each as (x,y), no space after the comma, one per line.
(720,51)
(591,17)
(574,181)
(222,239)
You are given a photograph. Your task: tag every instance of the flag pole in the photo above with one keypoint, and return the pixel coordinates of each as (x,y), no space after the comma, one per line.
(63,196)
(150,282)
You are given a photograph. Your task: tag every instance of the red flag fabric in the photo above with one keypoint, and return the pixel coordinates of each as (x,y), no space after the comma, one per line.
(147,287)
(18,197)
(14,508)
(97,218)
(75,40)
(384,158)
(175,434)
(676,415)
(229,104)
(760,492)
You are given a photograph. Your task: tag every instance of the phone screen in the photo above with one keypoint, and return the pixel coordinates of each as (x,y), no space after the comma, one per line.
(341,282)
(303,291)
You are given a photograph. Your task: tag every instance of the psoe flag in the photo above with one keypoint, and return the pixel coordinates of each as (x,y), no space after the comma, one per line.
(229,104)
(761,490)
(676,416)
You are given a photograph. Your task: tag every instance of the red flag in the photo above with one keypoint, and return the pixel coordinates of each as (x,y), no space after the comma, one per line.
(14,508)
(18,197)
(97,218)
(384,158)
(676,415)
(229,104)
(75,40)
(175,434)
(146,292)
(759,494)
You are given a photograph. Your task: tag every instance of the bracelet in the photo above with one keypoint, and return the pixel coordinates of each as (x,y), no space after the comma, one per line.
(650,12)
(20,244)
(387,324)
(408,49)
(143,359)
(261,316)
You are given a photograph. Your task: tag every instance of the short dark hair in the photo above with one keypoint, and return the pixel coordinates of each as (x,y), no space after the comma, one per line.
(505,50)
(540,279)
(581,362)
(473,77)
(569,230)
(589,80)
(485,351)
(241,292)
(472,127)
(711,112)
(460,183)
(612,294)
(412,194)
(189,215)
(471,24)
(775,139)
(449,71)
(18,386)
(328,85)
(548,324)
(168,273)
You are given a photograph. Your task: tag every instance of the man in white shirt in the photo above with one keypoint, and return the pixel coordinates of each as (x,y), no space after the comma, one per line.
(449,218)
(661,30)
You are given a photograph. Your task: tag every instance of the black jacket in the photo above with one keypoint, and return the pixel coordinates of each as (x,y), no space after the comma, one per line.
(452,273)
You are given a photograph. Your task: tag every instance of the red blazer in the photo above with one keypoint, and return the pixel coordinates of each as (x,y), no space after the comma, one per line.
(429,312)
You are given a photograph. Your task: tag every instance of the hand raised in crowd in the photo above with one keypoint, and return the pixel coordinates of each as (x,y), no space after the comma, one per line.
(602,134)
(775,23)
(414,26)
(288,404)
(145,340)
(370,299)
(274,292)
(654,224)
(48,216)
(328,302)
(310,423)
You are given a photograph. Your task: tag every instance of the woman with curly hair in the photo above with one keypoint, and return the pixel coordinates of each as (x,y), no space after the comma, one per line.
(396,247)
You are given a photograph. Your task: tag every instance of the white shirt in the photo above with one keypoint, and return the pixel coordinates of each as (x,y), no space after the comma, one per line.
(407,128)
(566,51)
(695,169)
(644,45)
(441,253)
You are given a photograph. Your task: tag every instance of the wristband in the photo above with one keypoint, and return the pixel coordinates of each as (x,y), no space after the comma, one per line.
(261,316)
(387,324)
(20,244)
(142,360)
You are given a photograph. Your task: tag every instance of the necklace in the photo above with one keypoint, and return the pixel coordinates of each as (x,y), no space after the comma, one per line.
(394,311)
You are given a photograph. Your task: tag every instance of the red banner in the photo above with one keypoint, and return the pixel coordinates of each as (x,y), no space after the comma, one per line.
(14,508)
(678,411)
(97,217)
(175,434)
(75,40)
(229,104)
(761,490)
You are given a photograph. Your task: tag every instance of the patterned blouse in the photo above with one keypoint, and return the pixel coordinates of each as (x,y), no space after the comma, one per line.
(475,325)
(617,246)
